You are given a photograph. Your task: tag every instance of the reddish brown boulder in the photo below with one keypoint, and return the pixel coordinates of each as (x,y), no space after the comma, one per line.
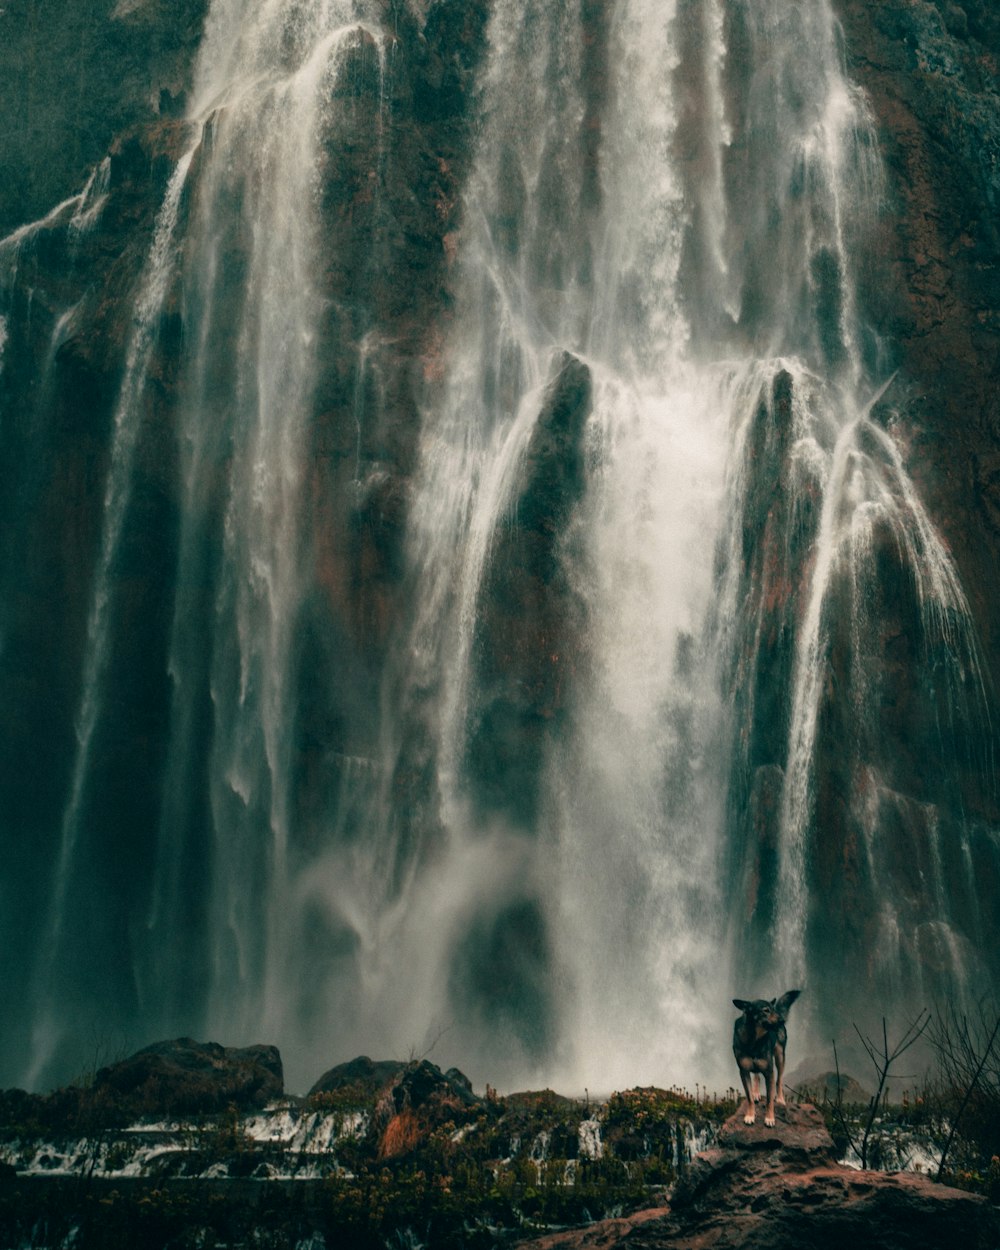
(419,1100)
(782,1189)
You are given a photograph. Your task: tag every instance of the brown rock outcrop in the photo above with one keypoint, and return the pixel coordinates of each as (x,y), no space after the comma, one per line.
(185,1077)
(408,1100)
(418,1100)
(782,1188)
(362,1076)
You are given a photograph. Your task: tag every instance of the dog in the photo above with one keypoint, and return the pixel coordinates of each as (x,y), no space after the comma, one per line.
(759,1040)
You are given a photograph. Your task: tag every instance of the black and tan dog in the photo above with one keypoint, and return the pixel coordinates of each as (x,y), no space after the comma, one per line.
(759,1040)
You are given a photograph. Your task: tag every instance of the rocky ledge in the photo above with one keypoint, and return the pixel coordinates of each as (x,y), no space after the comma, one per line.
(783,1189)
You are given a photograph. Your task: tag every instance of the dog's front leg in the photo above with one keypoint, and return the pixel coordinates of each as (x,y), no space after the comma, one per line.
(750,1115)
(769,1113)
(779,1063)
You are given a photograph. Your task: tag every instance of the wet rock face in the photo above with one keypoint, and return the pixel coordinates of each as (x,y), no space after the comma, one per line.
(782,1189)
(931,72)
(779,527)
(526,651)
(527,641)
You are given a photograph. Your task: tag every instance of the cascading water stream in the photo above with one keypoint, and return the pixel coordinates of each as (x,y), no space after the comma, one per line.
(616,852)
(258,119)
(265,85)
(868,495)
(153,288)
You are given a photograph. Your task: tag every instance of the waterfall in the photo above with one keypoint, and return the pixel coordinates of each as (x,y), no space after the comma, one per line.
(533,665)
(709,288)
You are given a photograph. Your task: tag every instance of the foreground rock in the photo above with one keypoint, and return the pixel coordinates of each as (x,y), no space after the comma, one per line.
(782,1189)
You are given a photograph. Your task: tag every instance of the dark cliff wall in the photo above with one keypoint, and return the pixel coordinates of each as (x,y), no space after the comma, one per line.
(75,76)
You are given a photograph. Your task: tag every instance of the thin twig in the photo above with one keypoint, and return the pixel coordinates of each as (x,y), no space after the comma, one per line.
(838,1106)
(883,1063)
(968,1095)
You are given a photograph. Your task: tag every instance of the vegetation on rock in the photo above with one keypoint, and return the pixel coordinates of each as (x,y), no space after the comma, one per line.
(420,1159)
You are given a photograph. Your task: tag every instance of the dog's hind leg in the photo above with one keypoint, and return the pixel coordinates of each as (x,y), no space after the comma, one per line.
(755,1082)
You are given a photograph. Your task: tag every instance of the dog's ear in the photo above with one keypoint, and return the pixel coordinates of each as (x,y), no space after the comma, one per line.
(785,1001)
(741,1003)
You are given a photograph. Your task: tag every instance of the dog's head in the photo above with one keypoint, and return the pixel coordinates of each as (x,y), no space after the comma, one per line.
(766,1013)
